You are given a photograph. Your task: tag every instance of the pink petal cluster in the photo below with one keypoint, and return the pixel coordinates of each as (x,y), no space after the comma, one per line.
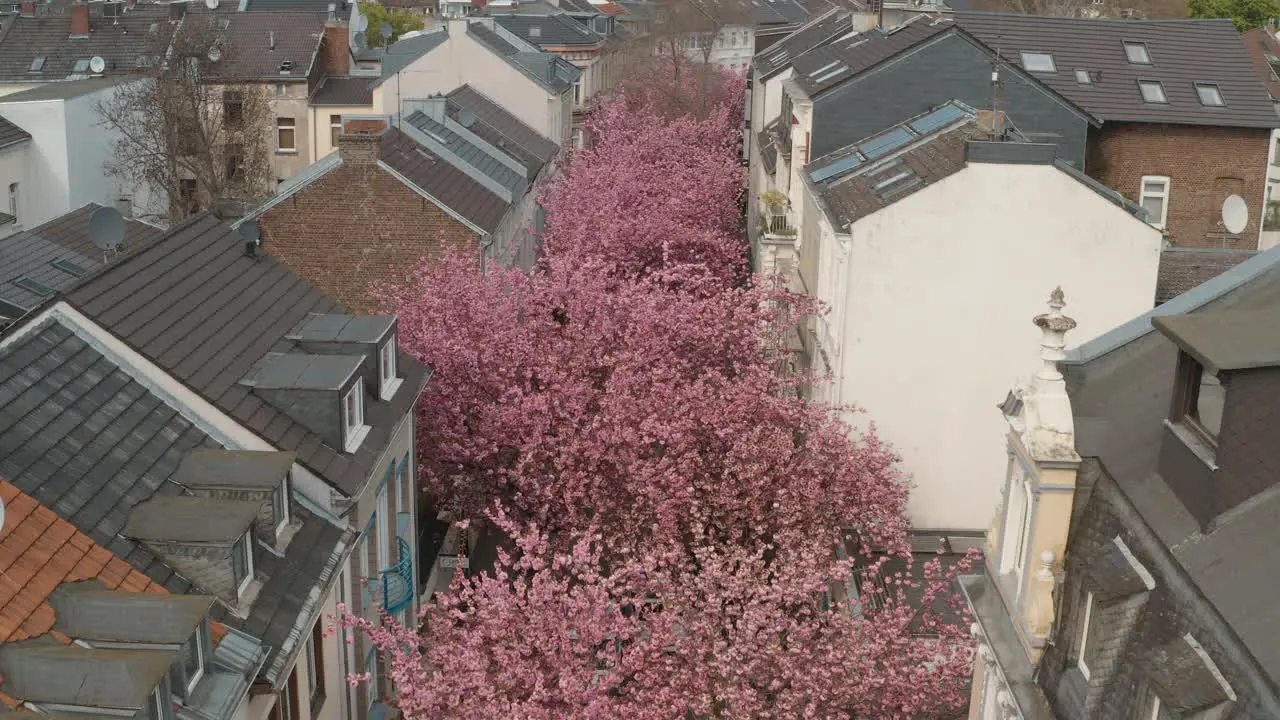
(675,507)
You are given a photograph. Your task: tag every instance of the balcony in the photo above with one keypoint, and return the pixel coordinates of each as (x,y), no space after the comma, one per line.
(778,224)
(397,580)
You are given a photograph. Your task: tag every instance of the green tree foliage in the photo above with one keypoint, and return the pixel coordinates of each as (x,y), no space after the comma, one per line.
(1246,14)
(402,21)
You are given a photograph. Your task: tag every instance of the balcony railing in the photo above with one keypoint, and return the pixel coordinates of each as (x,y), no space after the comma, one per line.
(397,580)
(779,223)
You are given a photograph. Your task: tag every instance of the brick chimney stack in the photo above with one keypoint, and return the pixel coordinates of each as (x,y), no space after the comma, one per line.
(28,8)
(360,139)
(80,20)
(336,48)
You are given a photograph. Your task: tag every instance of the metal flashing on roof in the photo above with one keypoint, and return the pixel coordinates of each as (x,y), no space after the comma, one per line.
(88,611)
(319,327)
(186,519)
(81,677)
(295,371)
(1227,340)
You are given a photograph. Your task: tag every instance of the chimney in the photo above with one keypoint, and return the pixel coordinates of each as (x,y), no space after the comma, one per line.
(28,9)
(360,138)
(993,121)
(177,11)
(80,20)
(336,49)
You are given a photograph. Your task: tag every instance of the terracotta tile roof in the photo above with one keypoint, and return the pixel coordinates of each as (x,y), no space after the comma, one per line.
(38,552)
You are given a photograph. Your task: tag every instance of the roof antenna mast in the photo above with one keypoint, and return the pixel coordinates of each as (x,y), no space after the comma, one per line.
(996,129)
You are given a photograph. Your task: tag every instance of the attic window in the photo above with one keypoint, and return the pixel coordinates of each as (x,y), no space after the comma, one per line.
(82,65)
(280,505)
(286,67)
(34,286)
(1039,62)
(387,368)
(896,184)
(1198,401)
(69,267)
(37,65)
(353,427)
(535,31)
(195,655)
(1137,53)
(1082,77)
(1152,91)
(242,562)
(1210,95)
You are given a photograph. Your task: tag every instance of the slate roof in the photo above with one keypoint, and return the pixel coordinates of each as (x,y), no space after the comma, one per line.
(822,29)
(64,240)
(198,307)
(435,176)
(1120,400)
(119,44)
(87,441)
(1264,51)
(90,611)
(547,69)
(754,12)
(553,30)
(312,6)
(404,52)
(65,89)
(11,134)
(74,675)
(829,65)
(499,127)
(469,156)
(248,54)
(336,91)
(1182,53)
(1182,269)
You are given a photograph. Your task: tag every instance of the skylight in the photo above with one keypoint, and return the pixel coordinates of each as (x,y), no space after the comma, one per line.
(824,68)
(939,118)
(1210,95)
(37,65)
(1152,91)
(897,184)
(830,73)
(838,167)
(82,65)
(1040,62)
(1082,77)
(33,286)
(69,267)
(885,143)
(1137,52)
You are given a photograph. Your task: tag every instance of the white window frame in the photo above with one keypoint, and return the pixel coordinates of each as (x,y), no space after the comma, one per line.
(14,190)
(292,127)
(200,663)
(335,126)
(245,545)
(353,427)
(577,92)
(1163,195)
(313,671)
(1084,635)
(284,502)
(1017,508)
(158,702)
(1137,44)
(387,369)
(1155,707)
(383,525)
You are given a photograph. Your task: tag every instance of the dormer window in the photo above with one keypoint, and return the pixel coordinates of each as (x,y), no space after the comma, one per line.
(192,662)
(387,368)
(242,563)
(280,505)
(353,415)
(1200,400)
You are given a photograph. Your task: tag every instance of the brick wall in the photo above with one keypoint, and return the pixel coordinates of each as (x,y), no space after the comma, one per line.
(1204,164)
(357,225)
(335,53)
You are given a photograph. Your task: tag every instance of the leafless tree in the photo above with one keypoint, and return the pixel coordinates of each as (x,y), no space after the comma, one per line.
(186,139)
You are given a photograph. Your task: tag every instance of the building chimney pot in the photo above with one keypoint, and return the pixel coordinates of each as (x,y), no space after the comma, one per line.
(360,139)
(28,9)
(992,121)
(336,49)
(80,20)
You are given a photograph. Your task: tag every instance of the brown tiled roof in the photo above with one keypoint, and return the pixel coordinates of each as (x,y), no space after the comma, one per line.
(344,91)
(120,43)
(1182,269)
(193,303)
(441,180)
(931,161)
(38,552)
(258,43)
(1182,53)
(1264,51)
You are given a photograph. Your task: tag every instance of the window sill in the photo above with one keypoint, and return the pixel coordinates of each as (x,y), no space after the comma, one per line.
(389,389)
(286,152)
(354,439)
(1195,444)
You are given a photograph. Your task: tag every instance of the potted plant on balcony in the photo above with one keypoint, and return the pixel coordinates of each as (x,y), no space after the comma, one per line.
(773,219)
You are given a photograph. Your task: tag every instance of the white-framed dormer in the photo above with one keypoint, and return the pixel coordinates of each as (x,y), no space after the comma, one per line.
(242,563)
(388,381)
(280,504)
(354,428)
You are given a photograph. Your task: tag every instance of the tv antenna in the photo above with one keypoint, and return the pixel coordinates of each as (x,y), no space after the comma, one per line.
(97,65)
(1235,214)
(106,230)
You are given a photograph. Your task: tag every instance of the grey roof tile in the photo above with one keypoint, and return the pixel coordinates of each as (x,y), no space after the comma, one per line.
(831,64)
(63,240)
(492,163)
(260,45)
(11,134)
(435,176)
(344,91)
(404,52)
(547,69)
(1182,53)
(194,304)
(89,611)
(819,31)
(551,30)
(119,42)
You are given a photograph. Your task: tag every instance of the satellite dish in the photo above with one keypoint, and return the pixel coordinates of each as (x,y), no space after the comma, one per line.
(359,40)
(385,29)
(215,54)
(211,4)
(106,228)
(251,232)
(97,65)
(1235,214)
(362,24)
